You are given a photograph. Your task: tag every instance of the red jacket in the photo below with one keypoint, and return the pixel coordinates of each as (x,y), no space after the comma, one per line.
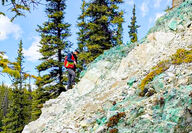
(69,64)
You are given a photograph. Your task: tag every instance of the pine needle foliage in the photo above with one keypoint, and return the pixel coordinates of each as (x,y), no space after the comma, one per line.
(82,37)
(18,81)
(18,112)
(133,27)
(14,121)
(5,100)
(54,44)
(100,26)
(19,7)
(40,95)
(10,68)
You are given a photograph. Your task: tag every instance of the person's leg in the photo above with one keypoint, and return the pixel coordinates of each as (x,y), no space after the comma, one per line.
(69,83)
(73,75)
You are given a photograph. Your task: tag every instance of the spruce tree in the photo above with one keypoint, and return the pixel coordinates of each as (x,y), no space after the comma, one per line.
(5,100)
(82,37)
(103,22)
(20,60)
(54,44)
(13,122)
(133,27)
(27,101)
(119,33)
(116,21)
(19,111)
(27,110)
(40,95)
(82,27)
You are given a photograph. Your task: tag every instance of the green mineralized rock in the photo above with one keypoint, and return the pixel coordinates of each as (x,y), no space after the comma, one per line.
(173,25)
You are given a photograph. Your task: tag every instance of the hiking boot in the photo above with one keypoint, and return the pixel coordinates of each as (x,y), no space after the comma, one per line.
(74,84)
(69,87)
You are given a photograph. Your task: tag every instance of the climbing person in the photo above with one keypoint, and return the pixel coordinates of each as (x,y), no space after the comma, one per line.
(71,63)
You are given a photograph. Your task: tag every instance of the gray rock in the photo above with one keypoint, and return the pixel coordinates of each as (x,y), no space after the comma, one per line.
(101,129)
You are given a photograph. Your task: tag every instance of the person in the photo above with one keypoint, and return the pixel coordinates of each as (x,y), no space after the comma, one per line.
(71,65)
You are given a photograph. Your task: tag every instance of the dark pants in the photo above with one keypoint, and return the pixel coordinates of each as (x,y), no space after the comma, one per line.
(71,78)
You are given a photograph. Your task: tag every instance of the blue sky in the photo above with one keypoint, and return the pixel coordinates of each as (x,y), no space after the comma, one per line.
(147,11)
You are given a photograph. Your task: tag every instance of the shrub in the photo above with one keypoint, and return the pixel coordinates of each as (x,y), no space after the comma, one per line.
(181,56)
(115,119)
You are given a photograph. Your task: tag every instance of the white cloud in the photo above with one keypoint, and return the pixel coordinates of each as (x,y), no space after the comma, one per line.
(144,8)
(7,28)
(157,3)
(5,56)
(130,2)
(158,15)
(32,53)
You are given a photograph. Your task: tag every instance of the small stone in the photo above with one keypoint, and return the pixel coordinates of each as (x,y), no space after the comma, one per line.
(131,81)
(171,68)
(76,125)
(180,28)
(151,37)
(189,25)
(189,80)
(182,81)
(173,25)
(150,92)
(170,74)
(101,129)
(84,124)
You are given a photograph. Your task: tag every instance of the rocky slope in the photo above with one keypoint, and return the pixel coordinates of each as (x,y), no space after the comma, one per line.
(107,97)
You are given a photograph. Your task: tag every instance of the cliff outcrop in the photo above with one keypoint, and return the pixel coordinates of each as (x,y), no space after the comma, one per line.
(140,87)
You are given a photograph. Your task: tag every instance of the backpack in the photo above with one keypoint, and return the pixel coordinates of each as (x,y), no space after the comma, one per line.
(68,64)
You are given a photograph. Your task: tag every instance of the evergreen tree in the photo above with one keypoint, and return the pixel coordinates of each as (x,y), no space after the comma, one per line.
(82,27)
(19,6)
(82,37)
(40,95)
(27,101)
(20,60)
(27,108)
(13,122)
(133,27)
(116,21)
(54,44)
(103,23)
(19,111)
(119,32)
(5,100)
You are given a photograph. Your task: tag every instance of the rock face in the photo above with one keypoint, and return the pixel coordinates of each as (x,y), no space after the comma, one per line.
(106,98)
(176,2)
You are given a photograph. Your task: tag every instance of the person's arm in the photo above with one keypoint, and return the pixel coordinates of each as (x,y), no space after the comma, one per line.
(69,58)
